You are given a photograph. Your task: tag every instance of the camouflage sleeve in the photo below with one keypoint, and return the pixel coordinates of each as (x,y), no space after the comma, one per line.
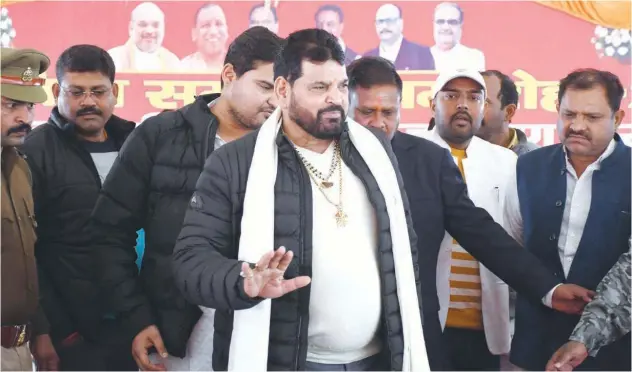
(607,317)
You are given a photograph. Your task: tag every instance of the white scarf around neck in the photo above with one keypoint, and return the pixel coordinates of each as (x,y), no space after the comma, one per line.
(251,327)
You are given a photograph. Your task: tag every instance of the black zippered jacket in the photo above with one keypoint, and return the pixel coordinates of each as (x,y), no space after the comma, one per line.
(149,187)
(205,258)
(66,186)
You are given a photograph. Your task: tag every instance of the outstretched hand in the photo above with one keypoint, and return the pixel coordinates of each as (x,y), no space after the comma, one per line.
(567,357)
(571,298)
(266,280)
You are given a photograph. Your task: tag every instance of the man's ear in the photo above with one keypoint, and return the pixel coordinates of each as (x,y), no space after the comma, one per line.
(282,91)
(56,90)
(228,74)
(510,111)
(618,118)
(115,90)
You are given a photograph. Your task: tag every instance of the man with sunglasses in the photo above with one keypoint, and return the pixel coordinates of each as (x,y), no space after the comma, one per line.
(69,157)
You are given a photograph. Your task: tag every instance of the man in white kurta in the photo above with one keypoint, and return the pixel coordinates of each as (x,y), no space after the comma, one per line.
(474,302)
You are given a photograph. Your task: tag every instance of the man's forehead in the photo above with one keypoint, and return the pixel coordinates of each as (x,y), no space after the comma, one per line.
(262,70)
(447,11)
(9,100)
(462,83)
(378,94)
(590,100)
(150,16)
(327,15)
(387,11)
(88,78)
(329,71)
(212,13)
(492,84)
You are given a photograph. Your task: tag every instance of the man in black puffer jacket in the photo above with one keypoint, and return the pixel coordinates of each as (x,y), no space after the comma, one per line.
(355,312)
(69,157)
(150,186)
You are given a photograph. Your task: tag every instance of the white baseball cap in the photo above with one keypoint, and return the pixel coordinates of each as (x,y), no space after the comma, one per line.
(446,76)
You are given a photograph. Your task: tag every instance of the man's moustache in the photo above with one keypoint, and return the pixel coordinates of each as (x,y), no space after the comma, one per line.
(336,108)
(461,115)
(578,134)
(22,128)
(89,111)
(268,110)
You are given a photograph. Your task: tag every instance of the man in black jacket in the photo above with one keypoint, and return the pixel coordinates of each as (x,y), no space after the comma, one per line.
(331,218)
(149,187)
(69,157)
(439,202)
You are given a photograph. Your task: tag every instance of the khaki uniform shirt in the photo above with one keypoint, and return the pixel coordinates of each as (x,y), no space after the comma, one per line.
(19,272)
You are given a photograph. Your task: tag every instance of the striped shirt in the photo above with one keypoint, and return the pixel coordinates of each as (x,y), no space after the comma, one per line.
(465,280)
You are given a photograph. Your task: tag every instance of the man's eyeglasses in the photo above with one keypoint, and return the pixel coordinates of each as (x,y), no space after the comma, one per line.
(451,22)
(80,93)
(454,97)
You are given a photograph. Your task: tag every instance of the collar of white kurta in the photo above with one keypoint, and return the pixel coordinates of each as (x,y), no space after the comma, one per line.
(251,327)
(475,146)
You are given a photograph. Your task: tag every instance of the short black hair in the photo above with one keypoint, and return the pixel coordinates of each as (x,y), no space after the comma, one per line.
(256,44)
(587,78)
(312,44)
(330,8)
(508,93)
(263,5)
(85,58)
(367,72)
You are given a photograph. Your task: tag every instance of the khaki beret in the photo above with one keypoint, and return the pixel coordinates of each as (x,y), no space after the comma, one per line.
(20,70)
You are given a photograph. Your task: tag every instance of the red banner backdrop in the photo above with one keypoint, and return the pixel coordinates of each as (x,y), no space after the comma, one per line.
(533,43)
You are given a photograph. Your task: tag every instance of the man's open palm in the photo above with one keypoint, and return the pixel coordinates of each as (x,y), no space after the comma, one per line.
(266,280)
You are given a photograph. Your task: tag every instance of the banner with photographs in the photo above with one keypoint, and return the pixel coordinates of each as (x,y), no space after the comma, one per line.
(166,52)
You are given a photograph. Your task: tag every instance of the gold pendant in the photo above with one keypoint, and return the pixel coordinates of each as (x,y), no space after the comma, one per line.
(341,218)
(326,184)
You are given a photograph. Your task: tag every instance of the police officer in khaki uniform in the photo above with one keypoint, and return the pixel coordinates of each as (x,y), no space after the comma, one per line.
(23,322)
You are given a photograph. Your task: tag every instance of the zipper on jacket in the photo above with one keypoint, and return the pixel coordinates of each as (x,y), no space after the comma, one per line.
(387,342)
(300,260)
(298,351)
(206,148)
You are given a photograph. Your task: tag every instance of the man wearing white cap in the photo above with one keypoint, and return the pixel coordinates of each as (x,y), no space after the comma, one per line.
(474,302)
(439,202)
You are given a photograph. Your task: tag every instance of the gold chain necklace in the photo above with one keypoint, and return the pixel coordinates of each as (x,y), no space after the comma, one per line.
(324,180)
(341,216)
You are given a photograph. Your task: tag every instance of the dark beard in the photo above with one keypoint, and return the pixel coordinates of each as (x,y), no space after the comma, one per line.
(315,126)
(452,136)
